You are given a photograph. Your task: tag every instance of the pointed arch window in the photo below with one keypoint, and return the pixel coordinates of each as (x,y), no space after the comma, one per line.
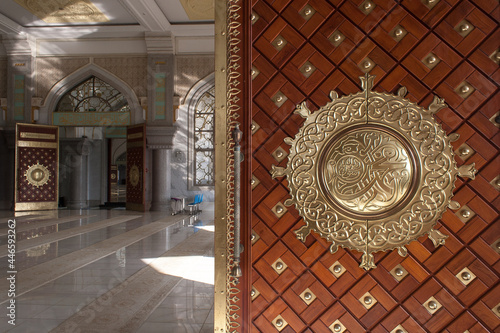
(204,119)
(93,95)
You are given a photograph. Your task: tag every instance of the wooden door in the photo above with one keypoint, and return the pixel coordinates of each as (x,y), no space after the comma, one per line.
(136,168)
(37,167)
(300,51)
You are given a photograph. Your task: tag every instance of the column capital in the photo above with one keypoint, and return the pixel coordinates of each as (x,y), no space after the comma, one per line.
(160,137)
(159,43)
(19,45)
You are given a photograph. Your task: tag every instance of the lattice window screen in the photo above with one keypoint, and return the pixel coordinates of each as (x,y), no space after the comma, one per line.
(204,139)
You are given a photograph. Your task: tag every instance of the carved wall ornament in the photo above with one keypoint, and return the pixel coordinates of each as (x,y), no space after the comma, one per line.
(134,175)
(371,172)
(37,175)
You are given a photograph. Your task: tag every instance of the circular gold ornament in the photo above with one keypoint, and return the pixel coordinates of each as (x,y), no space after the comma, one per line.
(134,175)
(113,176)
(371,172)
(37,175)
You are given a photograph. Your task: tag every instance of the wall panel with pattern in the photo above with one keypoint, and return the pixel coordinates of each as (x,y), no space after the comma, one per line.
(301,50)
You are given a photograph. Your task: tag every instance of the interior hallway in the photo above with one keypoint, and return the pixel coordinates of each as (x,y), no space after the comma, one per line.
(110,271)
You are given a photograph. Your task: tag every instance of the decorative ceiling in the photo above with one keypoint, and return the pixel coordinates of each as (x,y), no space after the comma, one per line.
(59,19)
(64,11)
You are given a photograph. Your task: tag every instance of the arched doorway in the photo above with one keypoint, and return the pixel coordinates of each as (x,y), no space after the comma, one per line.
(93,108)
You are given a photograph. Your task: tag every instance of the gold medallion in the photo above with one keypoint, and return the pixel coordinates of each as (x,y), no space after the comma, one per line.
(134,175)
(371,172)
(37,175)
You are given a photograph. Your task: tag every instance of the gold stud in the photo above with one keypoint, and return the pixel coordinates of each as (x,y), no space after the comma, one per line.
(366,7)
(279,210)
(254,182)
(432,305)
(307,69)
(495,119)
(464,28)
(398,33)
(307,12)
(366,65)
(255,72)
(279,154)
(279,99)
(465,276)
(495,56)
(337,327)
(464,89)
(336,38)
(398,272)
(465,214)
(496,310)
(495,182)
(279,266)
(254,293)
(279,323)
(464,152)
(279,43)
(254,17)
(399,329)
(255,237)
(431,60)
(308,296)
(368,301)
(337,269)
(254,127)
(430,3)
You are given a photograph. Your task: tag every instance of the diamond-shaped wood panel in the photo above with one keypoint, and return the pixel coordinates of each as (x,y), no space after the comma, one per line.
(302,50)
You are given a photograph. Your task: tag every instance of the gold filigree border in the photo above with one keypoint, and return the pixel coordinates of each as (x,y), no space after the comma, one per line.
(432,182)
(227,83)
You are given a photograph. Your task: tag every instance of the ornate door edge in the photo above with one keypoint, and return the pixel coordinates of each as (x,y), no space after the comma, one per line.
(229,54)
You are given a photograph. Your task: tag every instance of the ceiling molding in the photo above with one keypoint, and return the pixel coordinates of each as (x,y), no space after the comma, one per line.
(184,30)
(7,26)
(70,32)
(148,14)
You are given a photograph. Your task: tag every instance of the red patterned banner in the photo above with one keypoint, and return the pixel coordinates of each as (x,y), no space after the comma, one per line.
(136,176)
(37,167)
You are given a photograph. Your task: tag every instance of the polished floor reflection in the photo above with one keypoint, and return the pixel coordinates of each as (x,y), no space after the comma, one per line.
(109,271)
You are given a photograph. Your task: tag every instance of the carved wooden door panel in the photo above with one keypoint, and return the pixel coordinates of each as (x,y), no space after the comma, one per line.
(136,167)
(37,167)
(302,50)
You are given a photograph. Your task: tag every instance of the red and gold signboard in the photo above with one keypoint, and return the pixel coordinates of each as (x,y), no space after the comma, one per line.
(37,167)
(136,176)
(113,174)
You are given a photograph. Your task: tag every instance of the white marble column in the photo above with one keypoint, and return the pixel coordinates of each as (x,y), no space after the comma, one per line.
(161,182)
(78,196)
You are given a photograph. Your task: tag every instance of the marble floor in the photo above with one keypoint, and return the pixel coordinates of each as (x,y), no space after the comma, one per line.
(107,271)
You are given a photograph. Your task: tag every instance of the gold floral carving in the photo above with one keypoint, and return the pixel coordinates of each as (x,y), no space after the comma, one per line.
(371,172)
(199,9)
(64,11)
(134,175)
(37,175)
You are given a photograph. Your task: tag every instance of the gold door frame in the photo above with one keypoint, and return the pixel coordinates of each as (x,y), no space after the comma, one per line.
(228,45)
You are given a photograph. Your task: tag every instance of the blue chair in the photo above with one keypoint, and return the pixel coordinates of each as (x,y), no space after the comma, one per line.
(194,207)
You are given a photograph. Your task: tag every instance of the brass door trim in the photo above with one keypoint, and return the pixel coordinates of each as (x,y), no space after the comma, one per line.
(371,171)
(227,92)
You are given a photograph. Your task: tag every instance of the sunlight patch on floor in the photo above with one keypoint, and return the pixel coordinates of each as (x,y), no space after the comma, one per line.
(195,268)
